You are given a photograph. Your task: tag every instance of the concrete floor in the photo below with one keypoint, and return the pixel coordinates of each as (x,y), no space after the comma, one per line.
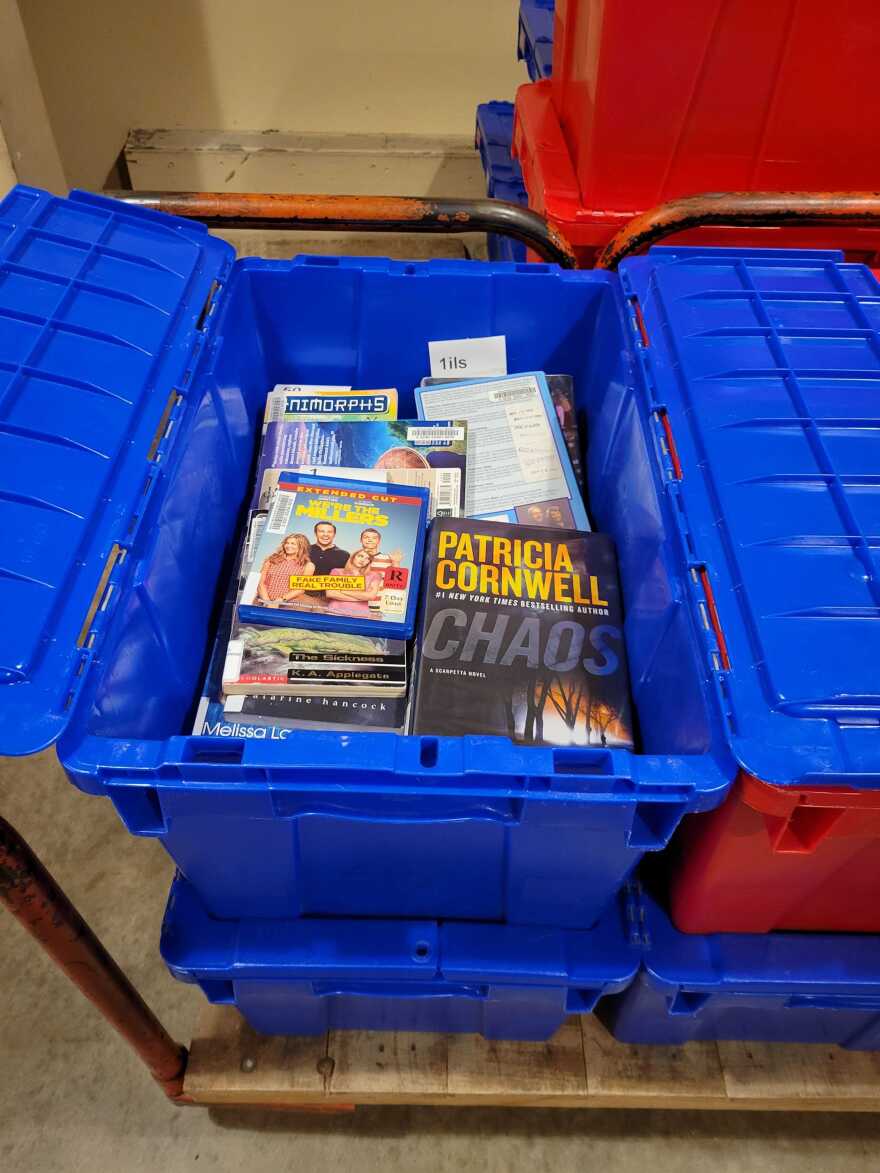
(72,1097)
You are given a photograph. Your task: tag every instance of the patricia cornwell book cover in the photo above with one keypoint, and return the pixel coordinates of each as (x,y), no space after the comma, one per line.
(522,636)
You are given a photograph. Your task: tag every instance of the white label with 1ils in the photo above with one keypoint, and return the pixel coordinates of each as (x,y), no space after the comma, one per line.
(471,358)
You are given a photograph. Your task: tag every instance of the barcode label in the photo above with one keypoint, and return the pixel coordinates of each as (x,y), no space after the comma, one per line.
(258,524)
(232,665)
(446,495)
(428,435)
(279,513)
(515,394)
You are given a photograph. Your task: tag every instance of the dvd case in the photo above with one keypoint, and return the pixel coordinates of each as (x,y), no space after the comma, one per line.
(336,555)
(519,469)
(562,394)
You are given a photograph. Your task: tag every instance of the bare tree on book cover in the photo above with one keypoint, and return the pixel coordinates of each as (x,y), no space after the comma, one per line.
(568,697)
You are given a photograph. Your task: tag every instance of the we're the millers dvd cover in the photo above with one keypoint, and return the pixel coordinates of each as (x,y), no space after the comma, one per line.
(336,555)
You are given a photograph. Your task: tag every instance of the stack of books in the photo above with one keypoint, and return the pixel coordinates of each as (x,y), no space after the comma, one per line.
(520,631)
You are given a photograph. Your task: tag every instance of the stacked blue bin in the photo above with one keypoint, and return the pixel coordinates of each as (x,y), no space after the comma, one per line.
(135,355)
(494,130)
(121,496)
(308,976)
(771,987)
(494,135)
(535,37)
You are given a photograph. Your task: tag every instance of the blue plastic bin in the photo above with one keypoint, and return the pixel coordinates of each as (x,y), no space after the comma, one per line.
(504,181)
(308,976)
(134,362)
(535,37)
(754,987)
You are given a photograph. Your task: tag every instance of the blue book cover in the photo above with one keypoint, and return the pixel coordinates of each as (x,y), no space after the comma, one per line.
(432,455)
(519,470)
(336,555)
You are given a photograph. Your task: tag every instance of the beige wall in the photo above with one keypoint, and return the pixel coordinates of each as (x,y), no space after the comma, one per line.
(405,66)
(7,175)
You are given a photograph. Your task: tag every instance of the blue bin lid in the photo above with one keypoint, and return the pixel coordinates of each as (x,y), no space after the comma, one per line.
(102,312)
(766,365)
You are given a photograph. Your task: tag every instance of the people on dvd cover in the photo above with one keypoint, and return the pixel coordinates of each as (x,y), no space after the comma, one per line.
(361,566)
(290,560)
(353,601)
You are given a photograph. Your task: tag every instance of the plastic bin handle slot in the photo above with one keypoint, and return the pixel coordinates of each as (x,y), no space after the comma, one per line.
(400,804)
(582,1001)
(687,1002)
(653,824)
(833,1002)
(804,829)
(388,990)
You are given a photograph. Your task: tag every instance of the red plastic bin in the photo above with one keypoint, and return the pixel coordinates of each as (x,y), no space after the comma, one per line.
(774,857)
(661,100)
(552,187)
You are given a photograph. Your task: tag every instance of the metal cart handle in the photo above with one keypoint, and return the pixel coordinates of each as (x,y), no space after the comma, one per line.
(754,209)
(359,213)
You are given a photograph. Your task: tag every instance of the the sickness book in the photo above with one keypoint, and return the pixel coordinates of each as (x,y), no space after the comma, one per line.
(522,637)
(432,455)
(519,469)
(272,660)
(336,555)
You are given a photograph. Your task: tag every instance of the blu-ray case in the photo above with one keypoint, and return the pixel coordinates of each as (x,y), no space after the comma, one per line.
(336,555)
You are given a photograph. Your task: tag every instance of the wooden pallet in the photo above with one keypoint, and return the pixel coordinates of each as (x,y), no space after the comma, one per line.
(581,1067)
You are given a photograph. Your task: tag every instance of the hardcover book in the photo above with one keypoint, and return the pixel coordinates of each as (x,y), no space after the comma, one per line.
(522,636)
(337,556)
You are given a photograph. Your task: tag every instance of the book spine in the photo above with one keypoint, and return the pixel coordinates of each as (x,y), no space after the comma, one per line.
(343,675)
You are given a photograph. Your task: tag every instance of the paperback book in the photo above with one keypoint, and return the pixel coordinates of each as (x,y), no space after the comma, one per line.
(339,714)
(406,452)
(272,660)
(304,401)
(335,555)
(522,637)
(274,718)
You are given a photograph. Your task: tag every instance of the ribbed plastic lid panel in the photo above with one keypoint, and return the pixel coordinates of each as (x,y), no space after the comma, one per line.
(99,317)
(767,365)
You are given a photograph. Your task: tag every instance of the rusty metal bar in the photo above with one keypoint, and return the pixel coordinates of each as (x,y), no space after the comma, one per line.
(754,209)
(360,213)
(35,900)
